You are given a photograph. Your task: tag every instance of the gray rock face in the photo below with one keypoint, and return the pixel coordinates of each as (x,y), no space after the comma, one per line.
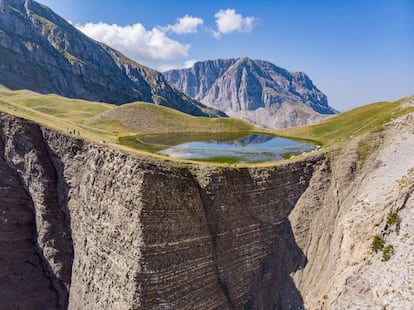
(114,231)
(254,90)
(42,52)
(88,227)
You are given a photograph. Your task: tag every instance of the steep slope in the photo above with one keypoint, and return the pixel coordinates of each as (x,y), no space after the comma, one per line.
(145,234)
(88,227)
(362,192)
(42,52)
(255,90)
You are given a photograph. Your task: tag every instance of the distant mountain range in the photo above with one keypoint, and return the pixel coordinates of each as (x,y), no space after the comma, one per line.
(255,90)
(42,52)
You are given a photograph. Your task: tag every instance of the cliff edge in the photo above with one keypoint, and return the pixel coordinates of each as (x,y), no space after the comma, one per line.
(87,227)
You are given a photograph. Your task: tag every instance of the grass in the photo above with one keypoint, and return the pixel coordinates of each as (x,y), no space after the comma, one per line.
(150,128)
(387,252)
(123,126)
(55,112)
(135,142)
(221,160)
(369,118)
(150,118)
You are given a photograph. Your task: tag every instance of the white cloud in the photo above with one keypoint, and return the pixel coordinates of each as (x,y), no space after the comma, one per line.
(136,42)
(189,63)
(186,24)
(229,21)
(166,66)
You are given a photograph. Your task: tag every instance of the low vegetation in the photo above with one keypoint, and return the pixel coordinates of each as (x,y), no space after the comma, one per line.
(140,126)
(387,251)
(150,128)
(394,220)
(377,243)
(369,118)
(149,118)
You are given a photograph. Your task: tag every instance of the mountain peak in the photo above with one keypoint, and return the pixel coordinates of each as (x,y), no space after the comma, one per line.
(255,90)
(42,52)
(244,59)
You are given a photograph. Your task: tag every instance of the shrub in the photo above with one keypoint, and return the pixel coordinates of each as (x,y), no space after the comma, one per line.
(394,219)
(377,243)
(387,252)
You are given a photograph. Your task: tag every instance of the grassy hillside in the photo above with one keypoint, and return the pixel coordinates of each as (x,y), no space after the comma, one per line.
(54,111)
(368,118)
(106,122)
(148,127)
(149,118)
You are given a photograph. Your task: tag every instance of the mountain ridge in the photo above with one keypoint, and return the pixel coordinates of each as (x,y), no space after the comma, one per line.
(42,52)
(255,90)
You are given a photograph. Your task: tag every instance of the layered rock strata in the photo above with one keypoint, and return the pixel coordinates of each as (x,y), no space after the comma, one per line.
(86,227)
(117,231)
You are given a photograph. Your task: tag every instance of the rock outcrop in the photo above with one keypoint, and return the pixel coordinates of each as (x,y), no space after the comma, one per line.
(86,227)
(351,199)
(254,90)
(42,52)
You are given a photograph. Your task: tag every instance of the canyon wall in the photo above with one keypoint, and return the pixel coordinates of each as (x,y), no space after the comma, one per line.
(105,229)
(85,226)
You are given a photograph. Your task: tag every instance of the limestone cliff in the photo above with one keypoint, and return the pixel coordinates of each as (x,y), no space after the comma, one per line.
(115,231)
(353,197)
(254,90)
(86,227)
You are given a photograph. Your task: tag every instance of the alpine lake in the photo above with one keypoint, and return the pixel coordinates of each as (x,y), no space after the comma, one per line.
(219,147)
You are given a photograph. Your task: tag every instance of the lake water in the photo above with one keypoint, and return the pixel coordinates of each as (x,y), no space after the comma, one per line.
(254,148)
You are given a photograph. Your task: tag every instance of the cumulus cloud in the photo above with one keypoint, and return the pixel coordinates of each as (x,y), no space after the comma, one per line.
(137,42)
(229,21)
(186,24)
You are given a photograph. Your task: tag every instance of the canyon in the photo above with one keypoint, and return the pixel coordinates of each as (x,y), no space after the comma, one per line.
(85,226)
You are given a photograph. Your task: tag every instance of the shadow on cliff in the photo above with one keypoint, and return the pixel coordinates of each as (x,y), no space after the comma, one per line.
(249,225)
(54,213)
(276,288)
(40,175)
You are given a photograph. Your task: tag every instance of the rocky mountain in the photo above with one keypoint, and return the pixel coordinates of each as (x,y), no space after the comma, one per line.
(42,52)
(84,226)
(254,90)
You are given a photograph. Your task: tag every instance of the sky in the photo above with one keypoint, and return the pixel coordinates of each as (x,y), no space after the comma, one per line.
(355,51)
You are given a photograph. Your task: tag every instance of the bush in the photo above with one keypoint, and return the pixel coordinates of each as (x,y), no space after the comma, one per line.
(394,219)
(377,243)
(387,252)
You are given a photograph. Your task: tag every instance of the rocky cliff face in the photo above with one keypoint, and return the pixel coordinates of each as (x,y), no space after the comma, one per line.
(255,90)
(111,230)
(42,52)
(352,198)
(89,227)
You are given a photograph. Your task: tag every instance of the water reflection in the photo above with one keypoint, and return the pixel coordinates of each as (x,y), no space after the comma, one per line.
(253,148)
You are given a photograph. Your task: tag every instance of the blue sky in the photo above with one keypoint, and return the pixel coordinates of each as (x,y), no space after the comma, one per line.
(355,51)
